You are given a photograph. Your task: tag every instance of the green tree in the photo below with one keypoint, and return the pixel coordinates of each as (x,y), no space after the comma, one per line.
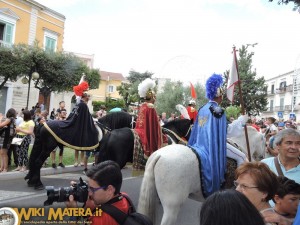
(233,111)
(254,90)
(172,95)
(10,66)
(58,71)
(296,3)
(129,91)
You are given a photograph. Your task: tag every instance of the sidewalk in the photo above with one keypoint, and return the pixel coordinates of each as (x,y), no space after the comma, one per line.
(44,172)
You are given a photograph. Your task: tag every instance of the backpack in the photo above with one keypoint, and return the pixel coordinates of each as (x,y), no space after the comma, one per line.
(12,128)
(133,218)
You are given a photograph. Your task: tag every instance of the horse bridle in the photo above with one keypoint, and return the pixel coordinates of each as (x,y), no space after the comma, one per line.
(103,127)
(176,136)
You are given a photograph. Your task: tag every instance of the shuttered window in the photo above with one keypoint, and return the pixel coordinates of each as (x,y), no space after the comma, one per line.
(50,44)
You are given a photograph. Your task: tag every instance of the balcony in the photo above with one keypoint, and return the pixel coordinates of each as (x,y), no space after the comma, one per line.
(284,89)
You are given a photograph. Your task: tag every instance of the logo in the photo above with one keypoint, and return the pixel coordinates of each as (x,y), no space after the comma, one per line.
(8,216)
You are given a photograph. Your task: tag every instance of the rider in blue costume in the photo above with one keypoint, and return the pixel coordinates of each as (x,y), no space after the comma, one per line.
(208,137)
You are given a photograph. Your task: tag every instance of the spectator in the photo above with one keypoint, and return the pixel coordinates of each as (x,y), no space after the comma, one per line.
(164,117)
(12,148)
(172,117)
(52,114)
(259,184)
(271,129)
(7,131)
(288,144)
(287,198)
(24,130)
(61,108)
(102,112)
(62,116)
(105,181)
(77,161)
(226,207)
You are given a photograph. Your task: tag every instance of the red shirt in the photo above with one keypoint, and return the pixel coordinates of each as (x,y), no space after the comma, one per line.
(106,219)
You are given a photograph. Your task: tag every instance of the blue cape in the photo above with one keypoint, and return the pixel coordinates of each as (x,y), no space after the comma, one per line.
(208,139)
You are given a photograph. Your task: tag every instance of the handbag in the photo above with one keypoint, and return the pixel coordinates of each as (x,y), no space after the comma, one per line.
(17,141)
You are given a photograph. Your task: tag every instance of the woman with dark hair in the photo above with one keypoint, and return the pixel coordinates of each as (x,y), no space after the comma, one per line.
(7,125)
(24,130)
(259,184)
(229,207)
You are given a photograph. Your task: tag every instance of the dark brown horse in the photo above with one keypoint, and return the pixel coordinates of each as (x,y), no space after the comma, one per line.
(118,144)
(45,143)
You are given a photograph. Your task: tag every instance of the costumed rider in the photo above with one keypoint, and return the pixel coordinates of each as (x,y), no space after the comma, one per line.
(208,137)
(78,131)
(191,108)
(189,112)
(147,124)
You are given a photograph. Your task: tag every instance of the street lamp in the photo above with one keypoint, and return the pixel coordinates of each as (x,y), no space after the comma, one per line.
(25,80)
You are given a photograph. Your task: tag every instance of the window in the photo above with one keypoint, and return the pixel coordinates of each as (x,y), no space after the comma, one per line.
(110,88)
(271,105)
(50,44)
(281,104)
(272,89)
(282,85)
(50,40)
(8,20)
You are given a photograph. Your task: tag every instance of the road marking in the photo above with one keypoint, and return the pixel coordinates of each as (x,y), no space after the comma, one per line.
(12,196)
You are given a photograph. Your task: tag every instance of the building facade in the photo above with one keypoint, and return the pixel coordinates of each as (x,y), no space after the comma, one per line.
(283,97)
(27,22)
(108,86)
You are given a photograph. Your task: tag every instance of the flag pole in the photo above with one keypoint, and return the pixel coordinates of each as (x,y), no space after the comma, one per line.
(242,104)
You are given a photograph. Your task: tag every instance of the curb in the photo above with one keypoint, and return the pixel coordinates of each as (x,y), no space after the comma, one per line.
(44,172)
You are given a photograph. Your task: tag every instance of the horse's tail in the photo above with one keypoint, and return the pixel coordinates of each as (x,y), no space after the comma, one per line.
(148,192)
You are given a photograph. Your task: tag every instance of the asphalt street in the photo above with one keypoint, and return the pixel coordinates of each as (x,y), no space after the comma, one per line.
(15,193)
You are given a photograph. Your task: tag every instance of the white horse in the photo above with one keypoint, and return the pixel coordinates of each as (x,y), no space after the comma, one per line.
(257,143)
(172,174)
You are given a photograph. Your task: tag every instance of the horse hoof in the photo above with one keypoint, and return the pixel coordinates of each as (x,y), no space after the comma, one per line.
(27,177)
(39,186)
(30,184)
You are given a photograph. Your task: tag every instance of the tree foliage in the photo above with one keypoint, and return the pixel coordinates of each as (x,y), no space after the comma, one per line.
(129,91)
(296,3)
(10,66)
(254,90)
(58,71)
(232,111)
(174,92)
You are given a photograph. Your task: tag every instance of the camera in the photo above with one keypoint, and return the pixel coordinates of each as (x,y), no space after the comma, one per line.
(61,194)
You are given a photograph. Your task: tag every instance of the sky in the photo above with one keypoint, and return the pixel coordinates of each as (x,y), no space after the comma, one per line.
(185,40)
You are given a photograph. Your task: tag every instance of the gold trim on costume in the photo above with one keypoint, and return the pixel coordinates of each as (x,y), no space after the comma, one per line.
(67,144)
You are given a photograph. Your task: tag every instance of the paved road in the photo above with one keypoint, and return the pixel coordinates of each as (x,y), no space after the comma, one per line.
(15,193)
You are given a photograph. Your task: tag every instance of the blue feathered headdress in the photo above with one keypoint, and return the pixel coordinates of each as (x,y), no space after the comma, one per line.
(213,86)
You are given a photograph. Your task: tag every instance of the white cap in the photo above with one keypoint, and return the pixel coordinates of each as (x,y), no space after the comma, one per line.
(192,102)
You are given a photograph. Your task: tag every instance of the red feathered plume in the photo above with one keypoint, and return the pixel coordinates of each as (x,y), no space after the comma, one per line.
(193,91)
(82,87)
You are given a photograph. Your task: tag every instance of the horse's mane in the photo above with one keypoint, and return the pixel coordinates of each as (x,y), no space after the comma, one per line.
(179,126)
(116,120)
(176,123)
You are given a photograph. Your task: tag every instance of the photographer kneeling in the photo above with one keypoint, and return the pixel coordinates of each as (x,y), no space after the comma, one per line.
(104,184)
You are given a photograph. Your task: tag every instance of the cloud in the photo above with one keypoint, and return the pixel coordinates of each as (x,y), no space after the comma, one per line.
(187,35)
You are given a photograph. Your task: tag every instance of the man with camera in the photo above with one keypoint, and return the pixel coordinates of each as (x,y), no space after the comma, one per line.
(104,184)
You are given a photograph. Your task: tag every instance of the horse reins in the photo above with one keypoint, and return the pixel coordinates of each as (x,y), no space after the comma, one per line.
(176,136)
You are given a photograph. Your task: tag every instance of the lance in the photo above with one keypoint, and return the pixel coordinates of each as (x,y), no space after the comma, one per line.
(242,103)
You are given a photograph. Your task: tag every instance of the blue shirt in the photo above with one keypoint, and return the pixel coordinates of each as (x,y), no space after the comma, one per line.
(293,174)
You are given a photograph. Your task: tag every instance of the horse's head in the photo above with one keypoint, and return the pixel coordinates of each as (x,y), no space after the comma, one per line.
(180,127)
